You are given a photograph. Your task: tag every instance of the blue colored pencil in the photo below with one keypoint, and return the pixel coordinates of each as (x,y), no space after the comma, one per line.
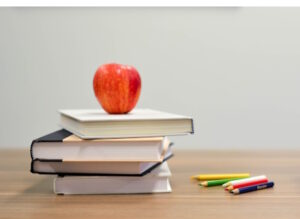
(253,188)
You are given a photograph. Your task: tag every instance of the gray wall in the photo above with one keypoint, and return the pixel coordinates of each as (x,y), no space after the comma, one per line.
(235,70)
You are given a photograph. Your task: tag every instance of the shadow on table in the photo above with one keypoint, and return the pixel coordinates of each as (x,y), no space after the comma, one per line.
(43,186)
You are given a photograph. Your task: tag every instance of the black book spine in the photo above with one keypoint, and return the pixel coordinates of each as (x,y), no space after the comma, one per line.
(57,136)
(192,127)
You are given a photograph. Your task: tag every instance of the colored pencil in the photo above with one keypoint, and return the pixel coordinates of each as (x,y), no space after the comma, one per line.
(220,176)
(247,183)
(244,180)
(216,182)
(253,188)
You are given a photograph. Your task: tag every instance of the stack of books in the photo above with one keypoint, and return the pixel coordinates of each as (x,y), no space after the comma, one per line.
(100,153)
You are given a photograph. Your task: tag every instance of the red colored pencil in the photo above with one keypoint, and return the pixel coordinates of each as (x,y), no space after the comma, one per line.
(244,180)
(247,183)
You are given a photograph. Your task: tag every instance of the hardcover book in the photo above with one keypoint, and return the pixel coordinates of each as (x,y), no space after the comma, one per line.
(93,124)
(156,181)
(66,147)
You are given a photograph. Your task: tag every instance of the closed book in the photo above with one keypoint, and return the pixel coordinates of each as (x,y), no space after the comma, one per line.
(156,181)
(92,124)
(66,147)
(95,168)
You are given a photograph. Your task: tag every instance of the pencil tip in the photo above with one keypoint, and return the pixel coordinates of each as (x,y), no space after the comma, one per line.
(203,183)
(229,188)
(235,191)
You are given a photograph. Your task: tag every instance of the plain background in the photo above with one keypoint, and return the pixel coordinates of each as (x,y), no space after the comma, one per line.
(235,70)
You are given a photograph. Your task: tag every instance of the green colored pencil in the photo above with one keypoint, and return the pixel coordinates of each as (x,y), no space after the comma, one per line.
(216,182)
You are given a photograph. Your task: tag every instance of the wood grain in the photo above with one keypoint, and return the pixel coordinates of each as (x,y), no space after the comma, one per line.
(24,195)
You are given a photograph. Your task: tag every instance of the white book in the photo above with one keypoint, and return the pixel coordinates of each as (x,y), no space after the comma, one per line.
(156,181)
(96,123)
(66,147)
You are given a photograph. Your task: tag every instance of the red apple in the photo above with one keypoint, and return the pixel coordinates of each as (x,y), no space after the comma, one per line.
(117,87)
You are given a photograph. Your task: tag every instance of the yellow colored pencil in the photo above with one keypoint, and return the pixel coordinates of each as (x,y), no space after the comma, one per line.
(220,176)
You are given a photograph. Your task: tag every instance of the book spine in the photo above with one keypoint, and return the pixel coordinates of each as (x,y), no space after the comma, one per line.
(31,155)
(32,170)
(192,123)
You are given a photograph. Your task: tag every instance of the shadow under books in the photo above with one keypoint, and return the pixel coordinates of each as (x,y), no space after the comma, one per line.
(43,186)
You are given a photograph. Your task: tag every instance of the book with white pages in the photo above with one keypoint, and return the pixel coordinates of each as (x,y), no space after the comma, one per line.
(96,123)
(157,181)
(96,168)
(66,147)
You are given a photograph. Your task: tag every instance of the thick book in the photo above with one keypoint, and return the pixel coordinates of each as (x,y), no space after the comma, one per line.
(93,124)
(156,181)
(66,147)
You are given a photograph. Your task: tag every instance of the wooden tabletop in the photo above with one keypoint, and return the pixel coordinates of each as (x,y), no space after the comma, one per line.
(24,195)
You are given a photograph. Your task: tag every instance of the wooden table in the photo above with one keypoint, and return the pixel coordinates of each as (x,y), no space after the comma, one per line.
(24,195)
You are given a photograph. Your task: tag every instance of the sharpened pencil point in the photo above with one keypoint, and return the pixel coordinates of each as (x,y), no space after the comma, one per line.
(235,191)
(193,177)
(229,188)
(225,184)
(203,183)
